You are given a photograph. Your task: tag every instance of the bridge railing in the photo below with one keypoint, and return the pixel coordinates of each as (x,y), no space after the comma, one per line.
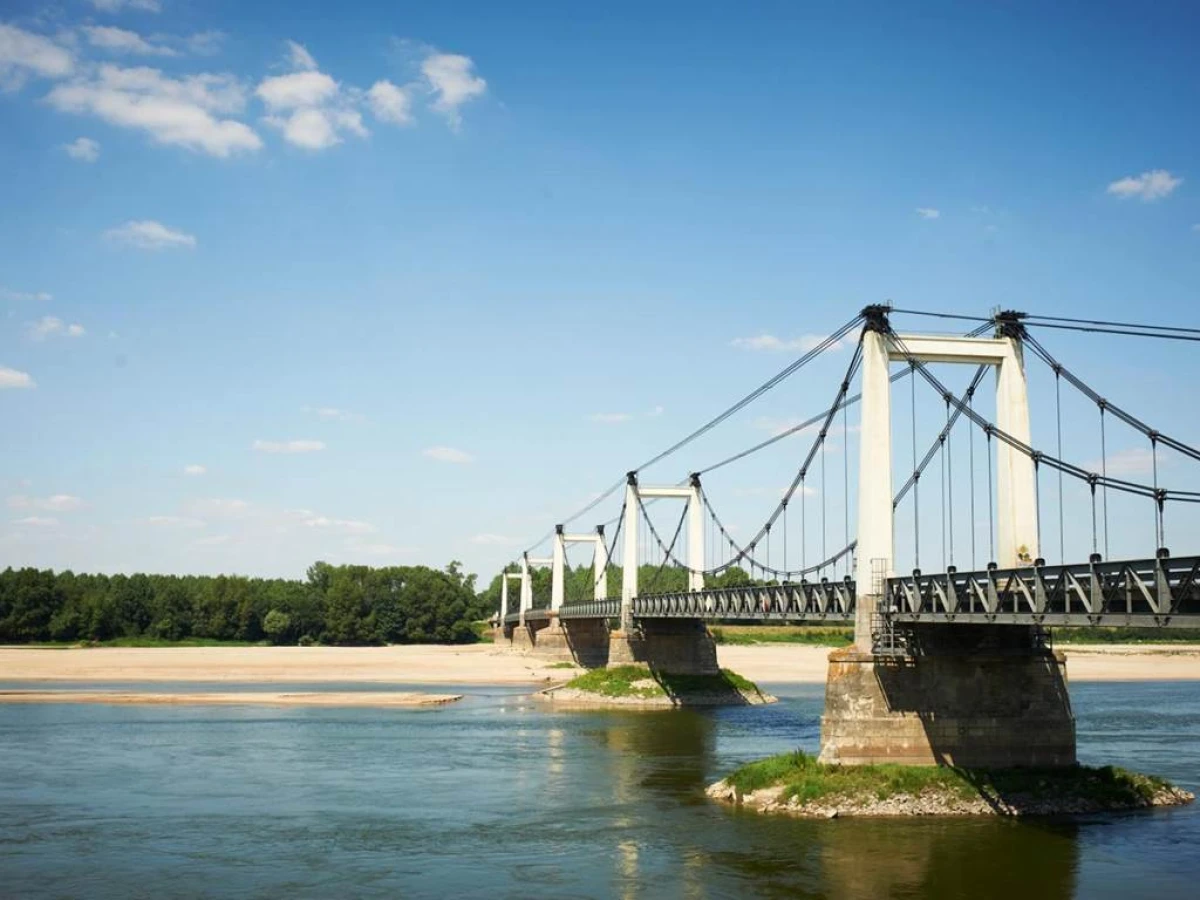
(823,601)
(1159,592)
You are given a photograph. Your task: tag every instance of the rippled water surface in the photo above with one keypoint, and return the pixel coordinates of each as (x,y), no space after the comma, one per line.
(496,797)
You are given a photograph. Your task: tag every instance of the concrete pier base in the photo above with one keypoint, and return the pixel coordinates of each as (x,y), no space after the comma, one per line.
(677,646)
(974,696)
(550,640)
(522,639)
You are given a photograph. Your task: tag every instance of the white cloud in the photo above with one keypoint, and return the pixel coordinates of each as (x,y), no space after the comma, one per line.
(175,522)
(301,446)
(297,89)
(390,103)
(83,149)
(205,43)
(448,454)
(300,57)
(52,326)
(194,469)
(308,106)
(344,526)
(12,378)
(118,40)
(331,413)
(220,507)
(21,296)
(769,342)
(928,212)
(37,521)
(610,418)
(1135,461)
(492,540)
(23,53)
(186,112)
(149,235)
(1153,185)
(452,80)
(53,503)
(656,412)
(112,6)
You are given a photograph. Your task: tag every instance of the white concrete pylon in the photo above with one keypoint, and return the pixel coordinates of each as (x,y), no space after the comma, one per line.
(629,560)
(505,577)
(695,515)
(558,559)
(875,536)
(526,587)
(599,558)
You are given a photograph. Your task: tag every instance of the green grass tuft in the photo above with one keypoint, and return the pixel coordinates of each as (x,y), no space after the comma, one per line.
(807,780)
(641,683)
(810,635)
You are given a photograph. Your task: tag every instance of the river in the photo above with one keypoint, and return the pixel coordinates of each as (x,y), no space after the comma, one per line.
(497,797)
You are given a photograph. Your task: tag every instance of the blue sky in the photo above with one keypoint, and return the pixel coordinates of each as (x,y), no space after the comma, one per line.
(407,283)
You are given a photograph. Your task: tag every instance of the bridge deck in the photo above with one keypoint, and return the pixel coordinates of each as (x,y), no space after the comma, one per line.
(1155,593)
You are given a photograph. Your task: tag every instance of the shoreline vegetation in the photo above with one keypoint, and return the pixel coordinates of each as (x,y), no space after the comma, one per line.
(796,784)
(637,687)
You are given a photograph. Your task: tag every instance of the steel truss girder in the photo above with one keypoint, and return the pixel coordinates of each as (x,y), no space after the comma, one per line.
(608,608)
(1155,593)
(823,601)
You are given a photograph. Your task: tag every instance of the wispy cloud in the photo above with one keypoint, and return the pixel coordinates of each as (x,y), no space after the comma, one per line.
(14,378)
(610,418)
(492,540)
(297,446)
(118,40)
(220,507)
(195,469)
(22,296)
(149,235)
(53,503)
(656,411)
(52,326)
(771,343)
(112,6)
(83,149)
(332,413)
(928,212)
(342,526)
(37,521)
(175,522)
(1153,185)
(448,455)
(1135,461)
(24,54)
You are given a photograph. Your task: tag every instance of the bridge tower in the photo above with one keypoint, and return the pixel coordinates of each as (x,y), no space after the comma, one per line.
(682,646)
(972,695)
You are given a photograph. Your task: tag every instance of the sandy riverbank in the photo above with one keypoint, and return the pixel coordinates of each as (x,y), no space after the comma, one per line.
(374,699)
(484,664)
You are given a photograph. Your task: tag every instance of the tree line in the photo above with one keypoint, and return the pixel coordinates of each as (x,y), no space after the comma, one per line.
(334,604)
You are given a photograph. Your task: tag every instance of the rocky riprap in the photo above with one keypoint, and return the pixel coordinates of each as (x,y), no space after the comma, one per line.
(940,802)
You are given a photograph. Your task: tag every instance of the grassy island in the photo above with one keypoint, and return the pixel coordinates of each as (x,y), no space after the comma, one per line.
(640,686)
(797,784)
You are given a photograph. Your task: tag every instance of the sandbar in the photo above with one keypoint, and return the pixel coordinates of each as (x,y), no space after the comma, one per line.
(486,664)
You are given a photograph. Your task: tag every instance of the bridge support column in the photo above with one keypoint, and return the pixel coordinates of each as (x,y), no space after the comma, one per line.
(875,550)
(980,696)
(676,646)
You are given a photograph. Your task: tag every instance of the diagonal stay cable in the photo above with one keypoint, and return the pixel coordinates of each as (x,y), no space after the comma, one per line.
(749,398)
(1104,404)
(1039,457)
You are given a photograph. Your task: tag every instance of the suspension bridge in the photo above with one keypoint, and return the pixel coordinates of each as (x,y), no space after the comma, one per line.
(921,638)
